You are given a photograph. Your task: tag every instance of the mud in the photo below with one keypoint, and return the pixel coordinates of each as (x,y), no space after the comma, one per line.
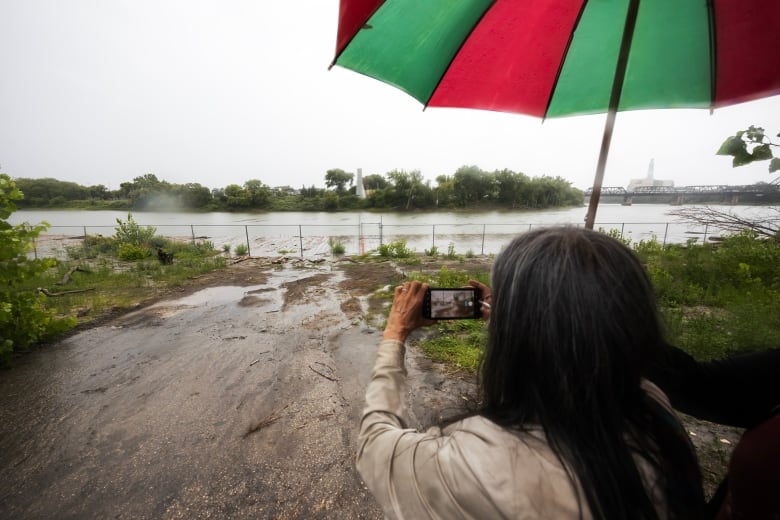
(236,396)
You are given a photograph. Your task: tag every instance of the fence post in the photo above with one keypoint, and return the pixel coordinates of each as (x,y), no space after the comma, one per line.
(706,228)
(433,238)
(86,249)
(248,249)
(482,249)
(35,247)
(300,239)
(192,230)
(666,232)
(622,229)
(380,230)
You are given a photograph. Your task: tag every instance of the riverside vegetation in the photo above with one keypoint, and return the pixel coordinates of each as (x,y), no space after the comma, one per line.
(715,299)
(468,187)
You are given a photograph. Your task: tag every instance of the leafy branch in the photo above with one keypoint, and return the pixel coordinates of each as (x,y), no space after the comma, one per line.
(750,145)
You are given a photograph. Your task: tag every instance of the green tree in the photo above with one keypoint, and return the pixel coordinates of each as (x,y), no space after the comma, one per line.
(512,188)
(236,197)
(407,189)
(473,185)
(259,194)
(444,193)
(374,182)
(24,318)
(338,179)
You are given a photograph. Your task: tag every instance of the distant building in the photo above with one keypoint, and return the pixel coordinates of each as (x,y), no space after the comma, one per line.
(649,181)
(360,190)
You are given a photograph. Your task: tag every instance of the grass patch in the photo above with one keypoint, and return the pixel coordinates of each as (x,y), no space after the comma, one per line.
(105,285)
(458,343)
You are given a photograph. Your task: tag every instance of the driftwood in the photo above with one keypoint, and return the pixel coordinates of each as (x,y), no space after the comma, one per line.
(46,292)
(66,278)
(326,376)
(269,420)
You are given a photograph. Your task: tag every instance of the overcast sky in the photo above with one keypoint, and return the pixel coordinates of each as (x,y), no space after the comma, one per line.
(220,92)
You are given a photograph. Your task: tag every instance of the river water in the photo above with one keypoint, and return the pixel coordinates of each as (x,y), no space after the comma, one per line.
(308,233)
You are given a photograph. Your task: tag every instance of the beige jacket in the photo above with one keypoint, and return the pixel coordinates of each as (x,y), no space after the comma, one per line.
(470,469)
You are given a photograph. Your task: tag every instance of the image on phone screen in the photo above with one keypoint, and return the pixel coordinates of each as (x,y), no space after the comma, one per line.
(452,303)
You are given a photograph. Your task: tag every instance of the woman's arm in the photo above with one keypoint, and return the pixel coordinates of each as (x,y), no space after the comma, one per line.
(740,390)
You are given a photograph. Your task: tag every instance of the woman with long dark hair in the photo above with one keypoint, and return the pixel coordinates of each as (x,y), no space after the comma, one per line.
(567,426)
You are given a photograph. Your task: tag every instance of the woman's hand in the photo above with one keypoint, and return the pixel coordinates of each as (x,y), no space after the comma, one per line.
(486,300)
(406,313)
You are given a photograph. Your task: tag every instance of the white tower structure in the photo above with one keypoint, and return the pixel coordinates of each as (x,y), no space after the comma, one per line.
(359,189)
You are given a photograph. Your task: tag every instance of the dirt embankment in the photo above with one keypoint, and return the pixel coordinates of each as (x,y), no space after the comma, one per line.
(237,396)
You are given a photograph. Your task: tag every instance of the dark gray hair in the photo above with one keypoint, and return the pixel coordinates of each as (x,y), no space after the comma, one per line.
(573,325)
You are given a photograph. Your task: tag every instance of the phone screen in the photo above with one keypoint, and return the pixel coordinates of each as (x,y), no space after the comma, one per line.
(452,304)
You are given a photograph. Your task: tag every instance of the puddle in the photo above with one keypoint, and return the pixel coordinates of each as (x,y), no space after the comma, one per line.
(272,294)
(214,296)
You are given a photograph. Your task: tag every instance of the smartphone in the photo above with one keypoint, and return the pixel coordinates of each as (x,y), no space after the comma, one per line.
(452,304)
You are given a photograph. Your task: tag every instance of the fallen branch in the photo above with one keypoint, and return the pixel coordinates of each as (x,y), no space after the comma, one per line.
(329,378)
(66,278)
(46,292)
(263,423)
(728,221)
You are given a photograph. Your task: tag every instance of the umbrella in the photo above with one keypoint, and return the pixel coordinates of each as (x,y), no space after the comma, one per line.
(552,58)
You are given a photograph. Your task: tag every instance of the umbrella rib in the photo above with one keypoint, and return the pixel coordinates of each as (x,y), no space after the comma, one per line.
(340,52)
(713,53)
(462,43)
(563,59)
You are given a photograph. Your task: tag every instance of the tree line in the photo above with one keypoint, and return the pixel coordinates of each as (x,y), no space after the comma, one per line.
(468,187)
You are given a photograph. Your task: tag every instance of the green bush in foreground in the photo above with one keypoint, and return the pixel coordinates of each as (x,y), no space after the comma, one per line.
(719,299)
(24,318)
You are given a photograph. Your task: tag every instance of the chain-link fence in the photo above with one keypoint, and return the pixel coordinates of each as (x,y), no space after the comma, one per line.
(313,240)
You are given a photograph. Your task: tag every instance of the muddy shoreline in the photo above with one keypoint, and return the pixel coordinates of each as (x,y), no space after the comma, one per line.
(236,395)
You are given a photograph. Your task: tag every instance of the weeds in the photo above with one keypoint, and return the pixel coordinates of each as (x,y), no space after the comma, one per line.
(336,247)
(395,249)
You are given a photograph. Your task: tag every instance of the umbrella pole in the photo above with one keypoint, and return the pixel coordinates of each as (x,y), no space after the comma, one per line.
(614,102)
(595,194)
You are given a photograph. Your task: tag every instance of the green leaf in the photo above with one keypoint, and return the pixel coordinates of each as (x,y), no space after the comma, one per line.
(733,145)
(755,134)
(774,164)
(742,158)
(762,153)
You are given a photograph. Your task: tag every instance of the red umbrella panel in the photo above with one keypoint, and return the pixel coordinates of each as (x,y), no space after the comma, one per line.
(552,58)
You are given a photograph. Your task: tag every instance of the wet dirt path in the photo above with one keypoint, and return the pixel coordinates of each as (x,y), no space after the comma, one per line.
(233,402)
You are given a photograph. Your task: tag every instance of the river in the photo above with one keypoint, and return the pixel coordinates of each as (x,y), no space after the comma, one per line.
(308,233)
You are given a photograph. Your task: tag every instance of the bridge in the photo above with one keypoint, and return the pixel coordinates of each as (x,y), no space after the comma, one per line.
(697,194)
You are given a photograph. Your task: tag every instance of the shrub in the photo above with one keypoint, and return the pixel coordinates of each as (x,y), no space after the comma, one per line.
(24,318)
(336,247)
(241,249)
(131,233)
(395,249)
(451,251)
(132,252)
(433,251)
